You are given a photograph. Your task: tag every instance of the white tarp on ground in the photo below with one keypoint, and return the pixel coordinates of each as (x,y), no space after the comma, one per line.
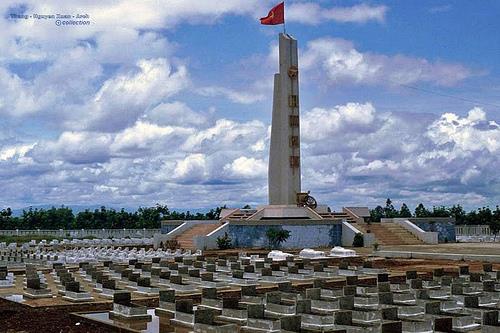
(278,255)
(311,254)
(339,251)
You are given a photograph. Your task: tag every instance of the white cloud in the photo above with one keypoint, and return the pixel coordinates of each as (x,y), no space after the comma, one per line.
(408,157)
(105,92)
(225,134)
(231,94)
(259,146)
(320,123)
(68,79)
(126,45)
(144,135)
(376,165)
(29,40)
(364,154)
(246,167)
(75,147)
(340,61)
(470,176)
(123,98)
(15,152)
(313,13)
(175,113)
(192,168)
(18,97)
(470,133)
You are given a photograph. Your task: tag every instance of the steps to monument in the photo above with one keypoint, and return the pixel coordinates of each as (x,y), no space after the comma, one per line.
(185,240)
(390,234)
(240,215)
(337,215)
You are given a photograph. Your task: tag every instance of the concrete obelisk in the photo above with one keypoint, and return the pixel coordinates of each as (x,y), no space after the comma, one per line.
(284,153)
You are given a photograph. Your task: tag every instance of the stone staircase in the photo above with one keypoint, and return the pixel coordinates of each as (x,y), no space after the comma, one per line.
(389,234)
(185,240)
(241,214)
(337,215)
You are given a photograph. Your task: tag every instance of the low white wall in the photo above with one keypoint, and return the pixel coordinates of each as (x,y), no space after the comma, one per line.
(209,241)
(348,233)
(427,237)
(158,238)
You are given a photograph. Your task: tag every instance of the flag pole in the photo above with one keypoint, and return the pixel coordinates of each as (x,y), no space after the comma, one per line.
(284,21)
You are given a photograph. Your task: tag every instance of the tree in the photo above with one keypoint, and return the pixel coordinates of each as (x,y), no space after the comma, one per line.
(109,218)
(389,210)
(421,211)
(358,240)
(6,212)
(7,221)
(495,223)
(214,214)
(276,236)
(485,215)
(224,242)
(457,212)
(151,217)
(440,211)
(471,217)
(494,227)
(404,211)
(376,214)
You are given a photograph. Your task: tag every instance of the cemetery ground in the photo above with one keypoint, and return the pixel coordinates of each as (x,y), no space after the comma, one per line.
(366,270)
(482,248)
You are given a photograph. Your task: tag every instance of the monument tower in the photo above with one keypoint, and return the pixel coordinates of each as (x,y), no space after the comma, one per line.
(289,208)
(284,152)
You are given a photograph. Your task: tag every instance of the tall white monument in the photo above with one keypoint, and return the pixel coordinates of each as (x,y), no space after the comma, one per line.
(284,153)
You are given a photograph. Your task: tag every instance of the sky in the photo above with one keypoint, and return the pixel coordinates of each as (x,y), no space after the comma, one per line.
(169,102)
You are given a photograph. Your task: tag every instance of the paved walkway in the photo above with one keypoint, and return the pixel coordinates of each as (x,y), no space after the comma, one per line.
(452,248)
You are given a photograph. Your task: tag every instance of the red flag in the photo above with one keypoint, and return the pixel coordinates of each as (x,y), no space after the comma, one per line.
(275,16)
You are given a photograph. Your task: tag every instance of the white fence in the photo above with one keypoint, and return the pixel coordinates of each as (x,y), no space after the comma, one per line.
(473,230)
(97,233)
(475,234)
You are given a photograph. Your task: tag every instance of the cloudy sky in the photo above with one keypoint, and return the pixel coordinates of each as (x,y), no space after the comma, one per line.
(170,102)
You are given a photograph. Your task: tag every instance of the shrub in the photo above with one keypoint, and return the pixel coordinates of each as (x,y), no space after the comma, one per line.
(172,244)
(276,236)
(224,242)
(376,246)
(358,240)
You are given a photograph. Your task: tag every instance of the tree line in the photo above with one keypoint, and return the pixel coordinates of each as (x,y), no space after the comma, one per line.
(484,215)
(151,217)
(108,218)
